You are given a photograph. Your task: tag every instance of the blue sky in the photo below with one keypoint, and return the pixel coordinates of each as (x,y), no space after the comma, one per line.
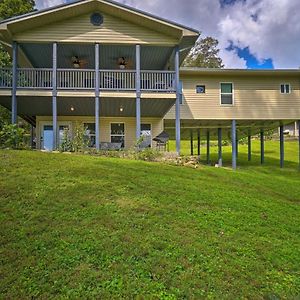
(251,33)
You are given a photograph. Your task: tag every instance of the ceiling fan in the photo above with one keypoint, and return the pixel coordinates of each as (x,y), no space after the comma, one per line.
(124,63)
(78,63)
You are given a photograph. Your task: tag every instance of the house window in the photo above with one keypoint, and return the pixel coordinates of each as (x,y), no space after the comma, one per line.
(285,88)
(200,89)
(226,93)
(90,133)
(147,135)
(117,133)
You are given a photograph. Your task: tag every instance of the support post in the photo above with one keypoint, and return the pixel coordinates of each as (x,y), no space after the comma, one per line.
(208,147)
(177,106)
(299,143)
(249,146)
(281,137)
(237,145)
(262,147)
(54,95)
(97,96)
(14,113)
(233,142)
(138,91)
(31,137)
(198,140)
(192,143)
(220,158)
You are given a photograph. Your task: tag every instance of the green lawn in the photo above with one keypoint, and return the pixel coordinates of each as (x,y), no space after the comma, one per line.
(86,227)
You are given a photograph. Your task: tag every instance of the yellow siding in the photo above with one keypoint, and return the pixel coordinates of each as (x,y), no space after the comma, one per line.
(130,128)
(113,31)
(254,98)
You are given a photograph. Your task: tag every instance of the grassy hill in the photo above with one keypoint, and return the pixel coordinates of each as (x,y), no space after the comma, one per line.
(75,226)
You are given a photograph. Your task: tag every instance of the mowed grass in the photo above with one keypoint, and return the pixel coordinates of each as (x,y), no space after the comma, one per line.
(76,226)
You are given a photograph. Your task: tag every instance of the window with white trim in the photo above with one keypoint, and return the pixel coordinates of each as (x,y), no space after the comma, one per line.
(117,133)
(226,93)
(200,89)
(285,88)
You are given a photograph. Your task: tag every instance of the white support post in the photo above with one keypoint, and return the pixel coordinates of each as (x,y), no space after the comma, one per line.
(14,113)
(97,96)
(177,108)
(233,143)
(138,92)
(54,94)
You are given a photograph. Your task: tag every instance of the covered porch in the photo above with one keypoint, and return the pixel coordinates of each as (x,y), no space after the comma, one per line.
(90,80)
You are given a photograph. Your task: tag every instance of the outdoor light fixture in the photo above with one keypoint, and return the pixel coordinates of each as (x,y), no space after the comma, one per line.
(121,109)
(72,108)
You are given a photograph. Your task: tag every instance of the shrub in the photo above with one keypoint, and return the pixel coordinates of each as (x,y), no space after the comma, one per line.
(148,154)
(11,136)
(66,143)
(79,141)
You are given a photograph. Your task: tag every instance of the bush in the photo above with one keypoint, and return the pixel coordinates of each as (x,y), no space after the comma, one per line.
(148,154)
(66,143)
(79,141)
(11,136)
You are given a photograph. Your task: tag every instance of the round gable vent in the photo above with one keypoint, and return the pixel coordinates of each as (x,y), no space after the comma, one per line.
(96,19)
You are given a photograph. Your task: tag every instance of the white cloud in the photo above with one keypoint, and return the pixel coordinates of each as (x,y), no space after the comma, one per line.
(270,28)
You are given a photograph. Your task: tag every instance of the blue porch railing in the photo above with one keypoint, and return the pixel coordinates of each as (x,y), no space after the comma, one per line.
(84,79)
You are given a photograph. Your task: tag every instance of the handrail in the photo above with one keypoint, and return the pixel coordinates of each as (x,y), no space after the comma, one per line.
(85,79)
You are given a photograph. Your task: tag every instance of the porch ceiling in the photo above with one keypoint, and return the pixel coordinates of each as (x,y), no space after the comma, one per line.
(109,107)
(152,58)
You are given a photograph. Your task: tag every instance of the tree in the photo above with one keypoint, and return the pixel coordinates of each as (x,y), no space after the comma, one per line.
(204,54)
(8,9)
(12,8)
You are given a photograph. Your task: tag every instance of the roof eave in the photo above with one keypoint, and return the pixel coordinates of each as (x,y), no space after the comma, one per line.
(186,30)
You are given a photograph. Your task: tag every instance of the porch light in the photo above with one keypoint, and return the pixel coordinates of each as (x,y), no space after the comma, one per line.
(72,108)
(121,109)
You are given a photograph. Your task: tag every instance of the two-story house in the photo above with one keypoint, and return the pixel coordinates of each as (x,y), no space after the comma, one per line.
(117,70)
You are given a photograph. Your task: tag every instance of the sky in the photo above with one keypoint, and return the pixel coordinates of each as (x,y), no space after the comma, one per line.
(253,34)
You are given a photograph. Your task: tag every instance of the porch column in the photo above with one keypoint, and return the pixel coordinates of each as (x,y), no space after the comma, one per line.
(14,113)
(177,108)
(54,95)
(299,143)
(262,147)
(31,136)
(220,158)
(281,138)
(97,97)
(233,142)
(138,91)
(192,143)
(249,146)
(237,145)
(198,144)
(208,147)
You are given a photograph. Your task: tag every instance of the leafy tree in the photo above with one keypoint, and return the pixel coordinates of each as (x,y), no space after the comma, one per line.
(205,54)
(11,8)
(8,9)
